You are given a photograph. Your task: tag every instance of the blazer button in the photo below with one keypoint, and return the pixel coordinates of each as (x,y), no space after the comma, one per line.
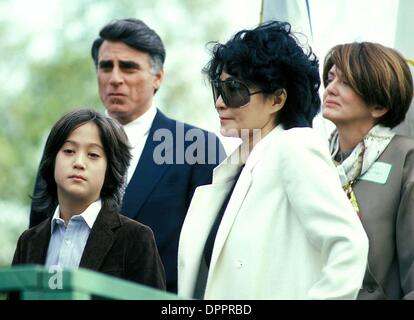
(371,288)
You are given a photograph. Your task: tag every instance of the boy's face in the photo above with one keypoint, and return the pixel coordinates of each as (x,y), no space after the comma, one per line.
(80,166)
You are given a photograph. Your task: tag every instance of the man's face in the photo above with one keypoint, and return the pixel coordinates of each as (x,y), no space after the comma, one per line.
(126,81)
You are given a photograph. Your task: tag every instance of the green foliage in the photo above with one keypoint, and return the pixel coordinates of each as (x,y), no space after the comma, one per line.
(52,89)
(39,86)
(66,79)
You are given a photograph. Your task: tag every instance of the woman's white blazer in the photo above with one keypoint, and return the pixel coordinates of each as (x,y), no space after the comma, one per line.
(289,231)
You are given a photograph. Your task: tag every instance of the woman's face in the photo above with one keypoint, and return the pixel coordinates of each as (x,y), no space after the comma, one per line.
(80,165)
(241,122)
(342,105)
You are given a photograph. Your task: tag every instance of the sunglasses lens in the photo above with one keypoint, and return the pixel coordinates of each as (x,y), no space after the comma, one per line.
(216,90)
(234,93)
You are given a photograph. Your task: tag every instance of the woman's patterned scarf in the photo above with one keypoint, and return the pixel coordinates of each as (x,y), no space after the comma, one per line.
(361,158)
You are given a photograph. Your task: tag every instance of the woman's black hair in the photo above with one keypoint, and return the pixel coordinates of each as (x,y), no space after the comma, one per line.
(117,151)
(271,58)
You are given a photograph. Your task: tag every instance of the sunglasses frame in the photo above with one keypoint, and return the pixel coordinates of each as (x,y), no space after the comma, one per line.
(217,88)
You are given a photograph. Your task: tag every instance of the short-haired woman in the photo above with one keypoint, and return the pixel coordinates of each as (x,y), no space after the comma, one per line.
(275,223)
(368,90)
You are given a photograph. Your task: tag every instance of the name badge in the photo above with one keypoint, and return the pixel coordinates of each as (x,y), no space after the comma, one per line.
(378,173)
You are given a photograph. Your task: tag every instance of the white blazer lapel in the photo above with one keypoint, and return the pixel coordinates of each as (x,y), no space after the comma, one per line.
(200,217)
(239,194)
(205,205)
(233,207)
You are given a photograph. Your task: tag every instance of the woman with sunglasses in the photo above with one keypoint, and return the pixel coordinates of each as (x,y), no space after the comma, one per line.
(368,90)
(275,223)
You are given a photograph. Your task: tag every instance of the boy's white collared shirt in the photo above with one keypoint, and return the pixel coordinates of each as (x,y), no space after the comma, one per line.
(67,242)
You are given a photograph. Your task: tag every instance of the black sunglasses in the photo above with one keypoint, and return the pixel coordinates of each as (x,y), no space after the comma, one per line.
(234,93)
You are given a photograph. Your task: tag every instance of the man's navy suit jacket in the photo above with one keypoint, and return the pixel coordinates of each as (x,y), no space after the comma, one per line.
(159,195)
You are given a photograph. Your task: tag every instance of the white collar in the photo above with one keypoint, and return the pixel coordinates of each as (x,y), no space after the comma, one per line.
(89,215)
(140,127)
(229,167)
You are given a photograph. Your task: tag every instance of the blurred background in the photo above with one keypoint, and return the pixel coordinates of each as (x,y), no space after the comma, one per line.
(47,70)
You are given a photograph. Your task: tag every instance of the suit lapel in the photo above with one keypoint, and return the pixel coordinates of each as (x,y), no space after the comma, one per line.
(240,191)
(147,172)
(40,243)
(100,240)
(239,194)
(196,229)
(233,208)
(198,224)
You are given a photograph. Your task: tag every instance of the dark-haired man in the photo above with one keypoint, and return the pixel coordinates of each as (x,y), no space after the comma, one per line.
(129,58)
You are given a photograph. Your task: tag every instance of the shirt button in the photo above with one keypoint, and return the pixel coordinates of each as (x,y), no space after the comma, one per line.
(68,242)
(239,264)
